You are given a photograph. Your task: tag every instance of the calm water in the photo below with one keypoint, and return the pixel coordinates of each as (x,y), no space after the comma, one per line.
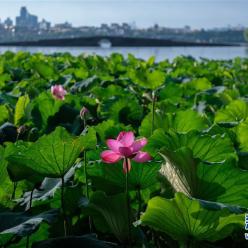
(160,53)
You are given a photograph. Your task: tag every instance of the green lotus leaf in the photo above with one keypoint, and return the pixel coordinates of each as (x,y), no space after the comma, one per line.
(3,167)
(21,109)
(54,154)
(44,106)
(114,211)
(4,114)
(44,69)
(124,110)
(185,220)
(242,137)
(18,224)
(235,111)
(200,84)
(224,183)
(218,182)
(111,179)
(74,241)
(215,148)
(181,121)
(180,171)
(151,79)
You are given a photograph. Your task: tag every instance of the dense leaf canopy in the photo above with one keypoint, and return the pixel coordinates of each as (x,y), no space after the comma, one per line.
(194,116)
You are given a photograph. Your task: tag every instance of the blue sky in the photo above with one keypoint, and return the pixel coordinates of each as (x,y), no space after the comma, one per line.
(171,13)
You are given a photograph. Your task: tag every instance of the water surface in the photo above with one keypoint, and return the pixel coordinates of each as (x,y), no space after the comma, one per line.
(160,53)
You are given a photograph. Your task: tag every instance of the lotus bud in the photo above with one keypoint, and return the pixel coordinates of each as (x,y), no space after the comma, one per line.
(83,112)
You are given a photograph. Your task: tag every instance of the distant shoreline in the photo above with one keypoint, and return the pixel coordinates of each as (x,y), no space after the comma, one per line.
(114,41)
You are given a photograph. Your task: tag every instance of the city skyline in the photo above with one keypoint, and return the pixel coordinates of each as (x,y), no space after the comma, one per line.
(164,13)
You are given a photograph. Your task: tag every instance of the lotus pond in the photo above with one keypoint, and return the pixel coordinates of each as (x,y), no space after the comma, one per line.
(121,152)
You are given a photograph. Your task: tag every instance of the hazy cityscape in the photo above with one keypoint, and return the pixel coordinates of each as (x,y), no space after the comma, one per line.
(29,27)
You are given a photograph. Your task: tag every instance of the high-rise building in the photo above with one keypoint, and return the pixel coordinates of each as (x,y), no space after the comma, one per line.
(8,23)
(44,25)
(26,20)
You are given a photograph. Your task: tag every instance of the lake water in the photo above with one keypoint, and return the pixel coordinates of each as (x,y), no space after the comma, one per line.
(160,53)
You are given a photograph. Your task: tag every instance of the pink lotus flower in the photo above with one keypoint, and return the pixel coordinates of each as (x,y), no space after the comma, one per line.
(58,92)
(125,147)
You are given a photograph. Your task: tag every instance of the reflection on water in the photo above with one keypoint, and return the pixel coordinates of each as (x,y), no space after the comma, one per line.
(160,53)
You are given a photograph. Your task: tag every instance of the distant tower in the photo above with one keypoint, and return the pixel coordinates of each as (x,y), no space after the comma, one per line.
(24,12)
(26,20)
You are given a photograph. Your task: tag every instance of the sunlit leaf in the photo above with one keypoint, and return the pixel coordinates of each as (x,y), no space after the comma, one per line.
(54,154)
(185,220)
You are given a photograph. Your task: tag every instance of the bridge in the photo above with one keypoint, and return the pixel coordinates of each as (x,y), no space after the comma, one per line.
(114,41)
